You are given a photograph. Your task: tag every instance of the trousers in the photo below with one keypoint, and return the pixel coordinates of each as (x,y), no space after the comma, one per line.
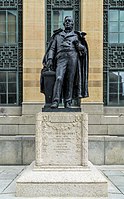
(65,74)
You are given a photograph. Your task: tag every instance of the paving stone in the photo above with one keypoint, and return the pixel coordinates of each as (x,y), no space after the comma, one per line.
(121,188)
(7,176)
(116,196)
(113,173)
(112,189)
(117,180)
(111,167)
(11,188)
(8,196)
(4,184)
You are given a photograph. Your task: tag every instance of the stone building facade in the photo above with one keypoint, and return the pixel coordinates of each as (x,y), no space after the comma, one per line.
(25,28)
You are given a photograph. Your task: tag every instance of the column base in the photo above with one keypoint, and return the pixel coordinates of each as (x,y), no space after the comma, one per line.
(61,182)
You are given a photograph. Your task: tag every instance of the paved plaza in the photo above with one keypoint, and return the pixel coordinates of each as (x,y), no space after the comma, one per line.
(9,174)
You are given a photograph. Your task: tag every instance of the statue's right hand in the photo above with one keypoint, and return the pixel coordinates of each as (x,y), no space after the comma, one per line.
(49,63)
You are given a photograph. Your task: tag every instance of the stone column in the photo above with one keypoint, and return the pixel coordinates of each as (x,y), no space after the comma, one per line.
(92,24)
(33,52)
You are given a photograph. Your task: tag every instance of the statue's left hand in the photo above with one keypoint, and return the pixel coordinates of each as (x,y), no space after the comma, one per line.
(81,48)
(49,64)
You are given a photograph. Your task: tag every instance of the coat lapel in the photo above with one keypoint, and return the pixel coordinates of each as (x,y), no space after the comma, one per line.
(65,35)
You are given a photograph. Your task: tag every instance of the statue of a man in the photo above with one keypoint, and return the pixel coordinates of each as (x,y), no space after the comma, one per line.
(67,55)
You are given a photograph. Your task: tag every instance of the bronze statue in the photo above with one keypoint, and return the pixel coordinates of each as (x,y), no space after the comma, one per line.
(67,57)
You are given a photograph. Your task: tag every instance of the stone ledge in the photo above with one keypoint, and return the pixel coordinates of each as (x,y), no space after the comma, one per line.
(21,149)
(10,110)
(17,120)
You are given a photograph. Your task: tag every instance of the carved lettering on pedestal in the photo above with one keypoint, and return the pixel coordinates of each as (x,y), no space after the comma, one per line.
(61,140)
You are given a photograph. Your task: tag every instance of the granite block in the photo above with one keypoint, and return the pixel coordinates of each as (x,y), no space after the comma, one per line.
(10,151)
(96,150)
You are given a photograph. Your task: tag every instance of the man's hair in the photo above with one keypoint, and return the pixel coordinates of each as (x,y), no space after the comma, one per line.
(66,18)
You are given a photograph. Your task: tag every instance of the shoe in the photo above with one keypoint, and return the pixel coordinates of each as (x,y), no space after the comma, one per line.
(67,105)
(54,105)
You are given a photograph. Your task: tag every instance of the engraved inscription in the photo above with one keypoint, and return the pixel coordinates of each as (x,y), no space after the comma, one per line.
(61,142)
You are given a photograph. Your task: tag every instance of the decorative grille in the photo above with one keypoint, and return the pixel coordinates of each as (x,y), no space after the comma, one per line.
(8,57)
(62,4)
(113,54)
(116,57)
(116,3)
(11,54)
(8,3)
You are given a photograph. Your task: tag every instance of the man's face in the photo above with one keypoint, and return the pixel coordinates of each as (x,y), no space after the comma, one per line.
(68,23)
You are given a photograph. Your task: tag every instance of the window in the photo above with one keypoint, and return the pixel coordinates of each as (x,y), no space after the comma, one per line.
(11,52)
(113,53)
(8,27)
(116,26)
(58,17)
(57,10)
(8,65)
(116,88)
(8,87)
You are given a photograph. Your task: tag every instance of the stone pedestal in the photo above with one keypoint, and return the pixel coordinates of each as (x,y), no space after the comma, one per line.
(61,167)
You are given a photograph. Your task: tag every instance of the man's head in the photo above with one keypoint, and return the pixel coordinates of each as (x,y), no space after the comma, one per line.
(68,23)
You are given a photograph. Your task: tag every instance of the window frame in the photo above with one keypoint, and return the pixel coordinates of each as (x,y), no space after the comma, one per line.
(14,12)
(119,21)
(112,54)
(52,17)
(10,68)
(118,83)
(7,82)
(54,4)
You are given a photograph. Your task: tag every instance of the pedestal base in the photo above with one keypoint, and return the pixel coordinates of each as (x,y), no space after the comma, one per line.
(61,182)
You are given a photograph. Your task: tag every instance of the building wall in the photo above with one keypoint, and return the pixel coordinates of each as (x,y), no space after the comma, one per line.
(33,48)
(17,125)
(92,24)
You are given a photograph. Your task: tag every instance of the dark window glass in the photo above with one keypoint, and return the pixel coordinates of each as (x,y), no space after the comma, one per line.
(11,88)
(2,87)
(12,77)
(2,77)
(12,98)
(113,99)
(2,98)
